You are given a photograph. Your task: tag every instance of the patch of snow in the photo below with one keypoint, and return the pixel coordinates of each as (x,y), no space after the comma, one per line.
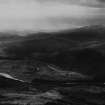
(9,76)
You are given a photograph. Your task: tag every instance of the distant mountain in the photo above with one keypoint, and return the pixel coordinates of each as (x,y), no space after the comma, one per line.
(84,34)
(49,44)
(5,36)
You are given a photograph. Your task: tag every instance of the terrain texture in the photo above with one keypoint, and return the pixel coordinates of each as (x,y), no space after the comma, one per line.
(57,68)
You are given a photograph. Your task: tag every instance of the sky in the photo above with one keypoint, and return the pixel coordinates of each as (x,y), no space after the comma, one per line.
(50,15)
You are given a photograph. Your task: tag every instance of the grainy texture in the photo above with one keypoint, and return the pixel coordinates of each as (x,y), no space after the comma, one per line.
(64,68)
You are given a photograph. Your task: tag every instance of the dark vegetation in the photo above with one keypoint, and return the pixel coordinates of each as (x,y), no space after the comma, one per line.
(87,61)
(63,49)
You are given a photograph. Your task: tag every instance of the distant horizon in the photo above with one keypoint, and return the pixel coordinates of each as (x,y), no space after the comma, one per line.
(26,32)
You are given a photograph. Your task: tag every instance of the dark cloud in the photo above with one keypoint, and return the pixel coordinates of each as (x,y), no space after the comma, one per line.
(90,3)
(101,1)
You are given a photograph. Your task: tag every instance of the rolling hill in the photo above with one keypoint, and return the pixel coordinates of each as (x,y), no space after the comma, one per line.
(58,68)
(64,49)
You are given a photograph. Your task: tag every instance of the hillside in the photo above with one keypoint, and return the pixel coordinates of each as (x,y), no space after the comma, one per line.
(64,49)
(58,68)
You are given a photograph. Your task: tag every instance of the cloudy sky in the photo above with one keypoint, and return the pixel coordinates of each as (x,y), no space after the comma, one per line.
(50,15)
